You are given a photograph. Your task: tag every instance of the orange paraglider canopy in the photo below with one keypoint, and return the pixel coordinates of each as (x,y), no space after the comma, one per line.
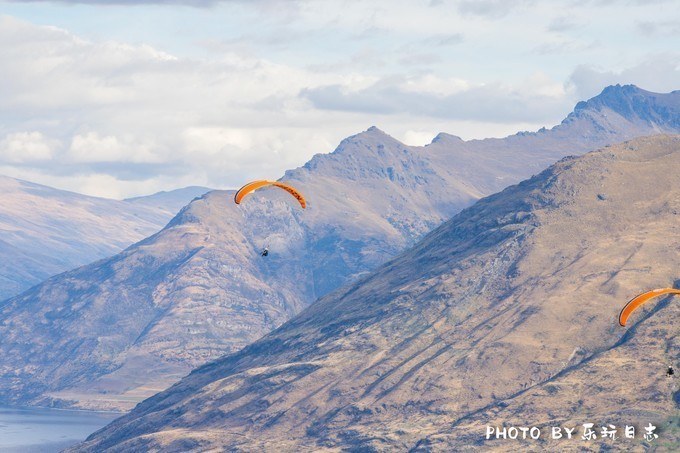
(252,186)
(641,299)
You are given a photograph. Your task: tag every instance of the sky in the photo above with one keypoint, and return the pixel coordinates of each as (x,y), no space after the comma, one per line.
(121,98)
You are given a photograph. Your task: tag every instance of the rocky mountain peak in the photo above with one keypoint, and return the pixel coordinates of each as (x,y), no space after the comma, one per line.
(611,96)
(443,137)
(635,105)
(372,139)
(504,315)
(362,147)
(208,291)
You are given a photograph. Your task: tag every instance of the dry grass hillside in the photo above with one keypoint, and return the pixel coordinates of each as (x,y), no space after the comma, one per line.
(505,315)
(109,334)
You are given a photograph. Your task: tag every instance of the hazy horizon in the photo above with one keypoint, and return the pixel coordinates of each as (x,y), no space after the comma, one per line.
(127,98)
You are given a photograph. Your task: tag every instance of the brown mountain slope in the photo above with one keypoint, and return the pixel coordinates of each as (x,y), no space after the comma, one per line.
(109,334)
(507,314)
(46,231)
(125,319)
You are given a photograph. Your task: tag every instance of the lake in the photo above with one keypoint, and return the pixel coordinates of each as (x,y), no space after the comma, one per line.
(34,430)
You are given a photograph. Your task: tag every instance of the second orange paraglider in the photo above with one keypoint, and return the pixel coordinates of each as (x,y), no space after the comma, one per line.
(641,299)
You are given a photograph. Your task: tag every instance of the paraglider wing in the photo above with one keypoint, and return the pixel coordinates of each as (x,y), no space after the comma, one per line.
(641,299)
(298,196)
(252,186)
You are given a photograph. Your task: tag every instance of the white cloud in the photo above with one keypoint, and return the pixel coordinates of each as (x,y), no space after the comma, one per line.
(562,24)
(91,147)
(242,90)
(419,137)
(213,140)
(23,147)
(492,9)
(668,28)
(194,3)
(530,100)
(659,73)
(431,84)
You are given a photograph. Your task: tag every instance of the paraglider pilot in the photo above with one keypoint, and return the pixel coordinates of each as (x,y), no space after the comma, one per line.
(670,371)
(265,251)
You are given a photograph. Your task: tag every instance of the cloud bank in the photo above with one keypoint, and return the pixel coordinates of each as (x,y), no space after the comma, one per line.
(155,97)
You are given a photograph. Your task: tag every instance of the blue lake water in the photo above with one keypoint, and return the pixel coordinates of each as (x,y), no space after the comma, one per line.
(33,430)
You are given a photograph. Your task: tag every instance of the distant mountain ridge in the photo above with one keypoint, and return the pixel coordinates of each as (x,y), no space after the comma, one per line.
(617,114)
(46,231)
(122,328)
(506,315)
(172,200)
(635,104)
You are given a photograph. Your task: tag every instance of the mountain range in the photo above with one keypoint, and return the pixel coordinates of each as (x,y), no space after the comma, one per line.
(108,334)
(46,231)
(504,316)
